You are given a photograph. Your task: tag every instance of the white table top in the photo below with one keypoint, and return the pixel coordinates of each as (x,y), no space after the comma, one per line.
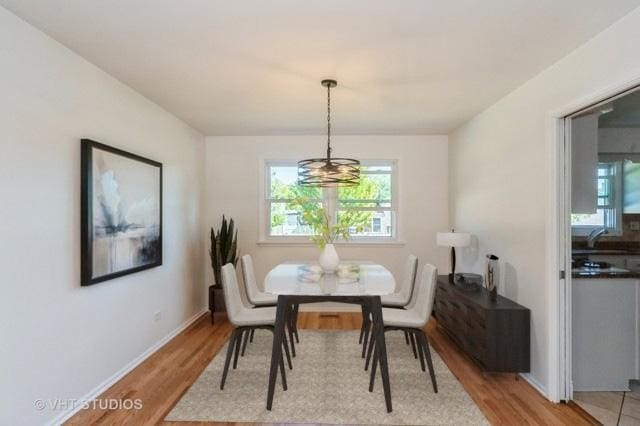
(353,278)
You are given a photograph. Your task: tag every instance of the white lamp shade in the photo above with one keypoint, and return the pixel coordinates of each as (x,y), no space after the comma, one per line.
(453,239)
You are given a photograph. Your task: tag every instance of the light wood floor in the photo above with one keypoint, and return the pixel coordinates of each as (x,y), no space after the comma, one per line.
(163,378)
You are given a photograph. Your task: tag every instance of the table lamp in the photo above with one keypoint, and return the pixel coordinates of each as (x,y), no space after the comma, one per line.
(453,239)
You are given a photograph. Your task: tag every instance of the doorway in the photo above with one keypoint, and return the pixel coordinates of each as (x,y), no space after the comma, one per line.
(599,251)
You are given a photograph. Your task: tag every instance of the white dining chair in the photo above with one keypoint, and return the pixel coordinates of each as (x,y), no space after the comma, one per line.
(402,297)
(399,299)
(245,320)
(257,297)
(411,320)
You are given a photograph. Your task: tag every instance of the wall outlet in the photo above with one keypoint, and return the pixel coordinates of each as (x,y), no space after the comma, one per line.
(157,316)
(634,226)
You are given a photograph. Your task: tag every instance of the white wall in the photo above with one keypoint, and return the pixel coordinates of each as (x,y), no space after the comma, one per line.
(499,167)
(58,340)
(233,168)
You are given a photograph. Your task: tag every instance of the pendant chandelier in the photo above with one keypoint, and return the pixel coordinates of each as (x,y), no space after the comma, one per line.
(329,171)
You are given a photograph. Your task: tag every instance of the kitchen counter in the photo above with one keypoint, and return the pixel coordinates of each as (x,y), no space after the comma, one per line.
(606,262)
(612,272)
(607,252)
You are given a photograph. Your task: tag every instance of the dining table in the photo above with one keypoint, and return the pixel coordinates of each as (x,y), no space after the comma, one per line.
(355,282)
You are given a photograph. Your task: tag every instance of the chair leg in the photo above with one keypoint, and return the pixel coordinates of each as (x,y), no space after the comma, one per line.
(374,364)
(237,348)
(232,341)
(406,337)
(413,345)
(420,352)
(364,314)
(291,328)
(296,308)
(251,337)
(367,334)
(370,349)
(425,343)
(283,374)
(244,342)
(286,351)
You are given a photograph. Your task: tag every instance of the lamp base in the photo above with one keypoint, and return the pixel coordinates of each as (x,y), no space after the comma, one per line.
(452,277)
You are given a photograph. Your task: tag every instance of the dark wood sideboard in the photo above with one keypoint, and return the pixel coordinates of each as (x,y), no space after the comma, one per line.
(495,334)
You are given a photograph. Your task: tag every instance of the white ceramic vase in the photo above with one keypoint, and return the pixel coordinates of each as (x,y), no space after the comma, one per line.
(329,259)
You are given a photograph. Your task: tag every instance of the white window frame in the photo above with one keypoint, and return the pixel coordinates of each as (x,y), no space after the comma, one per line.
(330,200)
(613,215)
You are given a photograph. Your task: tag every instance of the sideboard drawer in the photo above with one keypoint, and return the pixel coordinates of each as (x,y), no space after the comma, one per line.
(495,334)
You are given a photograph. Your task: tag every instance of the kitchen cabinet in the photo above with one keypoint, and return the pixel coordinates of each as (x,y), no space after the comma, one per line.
(584,164)
(605,333)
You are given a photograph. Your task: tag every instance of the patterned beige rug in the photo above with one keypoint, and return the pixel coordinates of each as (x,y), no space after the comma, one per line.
(328,384)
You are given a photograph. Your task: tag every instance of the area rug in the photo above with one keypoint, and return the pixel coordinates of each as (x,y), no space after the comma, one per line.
(328,384)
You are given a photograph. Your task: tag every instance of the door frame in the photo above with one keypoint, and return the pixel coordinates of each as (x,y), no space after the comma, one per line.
(558,231)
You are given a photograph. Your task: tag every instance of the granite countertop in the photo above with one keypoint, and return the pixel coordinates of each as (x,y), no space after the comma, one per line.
(609,252)
(598,269)
(612,272)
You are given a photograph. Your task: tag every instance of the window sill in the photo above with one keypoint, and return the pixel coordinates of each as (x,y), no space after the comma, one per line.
(361,243)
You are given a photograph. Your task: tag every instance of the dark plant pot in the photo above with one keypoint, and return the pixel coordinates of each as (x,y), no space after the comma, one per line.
(218,300)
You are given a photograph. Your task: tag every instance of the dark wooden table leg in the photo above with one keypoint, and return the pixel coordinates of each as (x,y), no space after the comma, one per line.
(381,348)
(276,348)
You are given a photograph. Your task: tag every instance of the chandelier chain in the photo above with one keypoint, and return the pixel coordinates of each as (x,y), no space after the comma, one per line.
(329,122)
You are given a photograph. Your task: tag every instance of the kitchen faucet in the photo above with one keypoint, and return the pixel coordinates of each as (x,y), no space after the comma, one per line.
(595,235)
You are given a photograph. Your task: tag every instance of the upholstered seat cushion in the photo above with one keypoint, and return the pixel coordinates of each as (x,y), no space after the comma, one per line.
(402,318)
(261,299)
(395,299)
(255,316)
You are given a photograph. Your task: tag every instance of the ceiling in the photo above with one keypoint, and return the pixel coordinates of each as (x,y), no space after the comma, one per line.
(254,66)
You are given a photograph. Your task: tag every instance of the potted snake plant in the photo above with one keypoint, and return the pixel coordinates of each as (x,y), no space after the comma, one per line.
(223,250)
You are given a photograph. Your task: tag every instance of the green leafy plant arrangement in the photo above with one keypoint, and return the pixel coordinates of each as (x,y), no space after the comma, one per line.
(224,246)
(319,221)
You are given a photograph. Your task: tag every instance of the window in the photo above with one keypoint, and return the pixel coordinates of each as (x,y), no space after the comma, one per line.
(369,207)
(282,191)
(609,203)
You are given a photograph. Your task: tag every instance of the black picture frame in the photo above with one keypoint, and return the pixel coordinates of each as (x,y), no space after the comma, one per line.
(87,148)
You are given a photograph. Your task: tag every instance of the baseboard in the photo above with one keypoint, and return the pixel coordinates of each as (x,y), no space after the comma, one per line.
(98,390)
(536,384)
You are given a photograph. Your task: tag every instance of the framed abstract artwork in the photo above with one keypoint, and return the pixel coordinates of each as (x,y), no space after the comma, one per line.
(121,213)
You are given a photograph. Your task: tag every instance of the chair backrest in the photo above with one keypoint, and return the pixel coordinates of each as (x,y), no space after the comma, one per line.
(409,278)
(232,298)
(249,278)
(425,293)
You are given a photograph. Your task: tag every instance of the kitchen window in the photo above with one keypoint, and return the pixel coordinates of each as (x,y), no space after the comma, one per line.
(609,203)
(370,206)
